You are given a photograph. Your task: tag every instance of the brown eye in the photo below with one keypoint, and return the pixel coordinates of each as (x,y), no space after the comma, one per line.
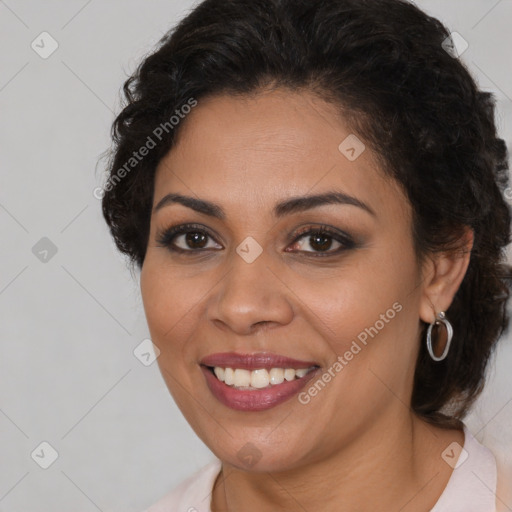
(187,238)
(196,240)
(319,241)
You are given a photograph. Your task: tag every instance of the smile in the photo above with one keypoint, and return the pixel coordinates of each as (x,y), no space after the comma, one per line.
(255,382)
(240,378)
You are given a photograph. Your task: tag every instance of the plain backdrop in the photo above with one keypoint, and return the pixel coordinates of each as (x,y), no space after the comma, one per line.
(70,311)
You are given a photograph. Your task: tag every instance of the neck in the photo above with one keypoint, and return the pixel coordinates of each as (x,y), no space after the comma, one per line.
(384,468)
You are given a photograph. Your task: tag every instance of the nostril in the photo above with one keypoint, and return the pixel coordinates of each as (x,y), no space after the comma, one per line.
(264,322)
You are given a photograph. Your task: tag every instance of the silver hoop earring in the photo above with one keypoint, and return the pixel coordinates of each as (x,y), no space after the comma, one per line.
(441,318)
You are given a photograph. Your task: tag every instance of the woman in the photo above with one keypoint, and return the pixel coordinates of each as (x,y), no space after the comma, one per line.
(313,193)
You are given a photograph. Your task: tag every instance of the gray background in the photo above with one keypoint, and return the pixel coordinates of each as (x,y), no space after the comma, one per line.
(69,325)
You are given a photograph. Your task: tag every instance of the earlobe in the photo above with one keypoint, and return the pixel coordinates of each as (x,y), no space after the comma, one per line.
(443,275)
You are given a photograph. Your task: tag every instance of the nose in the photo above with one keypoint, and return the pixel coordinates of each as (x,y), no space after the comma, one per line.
(250,296)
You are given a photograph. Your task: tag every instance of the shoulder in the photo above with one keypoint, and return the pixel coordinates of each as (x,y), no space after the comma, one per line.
(472,484)
(193,494)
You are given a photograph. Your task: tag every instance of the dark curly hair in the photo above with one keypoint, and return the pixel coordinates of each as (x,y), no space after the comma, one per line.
(383,63)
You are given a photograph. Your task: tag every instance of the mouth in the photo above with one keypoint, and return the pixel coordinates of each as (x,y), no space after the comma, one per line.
(261,378)
(255,382)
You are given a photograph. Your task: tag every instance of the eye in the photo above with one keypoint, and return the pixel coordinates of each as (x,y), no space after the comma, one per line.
(186,238)
(194,238)
(321,240)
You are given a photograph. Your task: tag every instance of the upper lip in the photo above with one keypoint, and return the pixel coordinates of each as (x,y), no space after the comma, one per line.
(254,361)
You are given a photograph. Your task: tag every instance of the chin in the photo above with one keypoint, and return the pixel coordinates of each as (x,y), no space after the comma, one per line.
(252,455)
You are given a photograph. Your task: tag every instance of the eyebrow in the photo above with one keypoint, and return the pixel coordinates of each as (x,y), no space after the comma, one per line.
(287,207)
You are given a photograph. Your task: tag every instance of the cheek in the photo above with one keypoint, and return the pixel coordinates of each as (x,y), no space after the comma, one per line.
(366,326)
(170,304)
(366,311)
(348,310)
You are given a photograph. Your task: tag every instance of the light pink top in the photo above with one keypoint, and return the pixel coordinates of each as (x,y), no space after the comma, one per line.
(471,487)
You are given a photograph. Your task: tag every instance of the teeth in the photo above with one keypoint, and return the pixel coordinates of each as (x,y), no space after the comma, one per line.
(219,372)
(289,374)
(257,379)
(229,376)
(276,375)
(242,377)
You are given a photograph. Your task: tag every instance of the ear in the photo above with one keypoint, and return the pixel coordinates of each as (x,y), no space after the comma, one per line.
(443,273)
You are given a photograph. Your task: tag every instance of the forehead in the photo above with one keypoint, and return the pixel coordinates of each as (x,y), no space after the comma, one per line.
(259,149)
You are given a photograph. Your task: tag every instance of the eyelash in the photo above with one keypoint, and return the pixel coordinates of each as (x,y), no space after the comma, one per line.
(166,239)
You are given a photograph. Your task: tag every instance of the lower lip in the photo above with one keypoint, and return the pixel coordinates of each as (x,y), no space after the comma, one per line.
(255,400)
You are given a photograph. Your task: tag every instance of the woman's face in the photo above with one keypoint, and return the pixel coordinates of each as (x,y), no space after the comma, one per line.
(247,278)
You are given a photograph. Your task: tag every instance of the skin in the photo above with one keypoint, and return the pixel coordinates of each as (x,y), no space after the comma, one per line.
(357,445)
